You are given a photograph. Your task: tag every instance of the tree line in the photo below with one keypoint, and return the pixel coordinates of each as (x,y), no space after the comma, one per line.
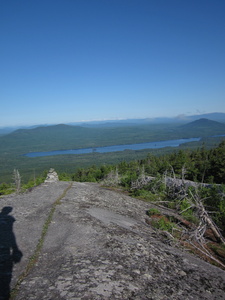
(200,165)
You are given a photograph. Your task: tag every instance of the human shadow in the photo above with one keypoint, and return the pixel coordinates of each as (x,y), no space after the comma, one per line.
(9,251)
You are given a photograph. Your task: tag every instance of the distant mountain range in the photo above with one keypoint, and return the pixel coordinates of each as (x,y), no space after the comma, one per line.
(181,119)
(219,117)
(203,127)
(204,124)
(59,137)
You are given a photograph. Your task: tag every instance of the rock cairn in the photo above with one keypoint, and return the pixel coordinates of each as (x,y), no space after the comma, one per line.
(52,176)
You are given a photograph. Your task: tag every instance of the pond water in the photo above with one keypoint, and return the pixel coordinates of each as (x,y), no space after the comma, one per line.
(152,145)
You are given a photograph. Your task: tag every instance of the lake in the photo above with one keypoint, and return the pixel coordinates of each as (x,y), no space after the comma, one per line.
(152,145)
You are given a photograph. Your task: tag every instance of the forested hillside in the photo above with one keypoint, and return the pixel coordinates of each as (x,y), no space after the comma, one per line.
(61,137)
(58,137)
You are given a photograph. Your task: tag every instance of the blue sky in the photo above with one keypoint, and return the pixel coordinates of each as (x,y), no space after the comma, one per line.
(72,60)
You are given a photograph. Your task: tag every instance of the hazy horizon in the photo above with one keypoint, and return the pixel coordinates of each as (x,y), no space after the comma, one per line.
(178,118)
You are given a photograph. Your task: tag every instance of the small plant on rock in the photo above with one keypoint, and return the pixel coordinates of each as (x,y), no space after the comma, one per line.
(163,223)
(153,211)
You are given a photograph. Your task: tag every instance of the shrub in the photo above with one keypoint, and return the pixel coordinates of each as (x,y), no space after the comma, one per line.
(5,189)
(153,211)
(163,224)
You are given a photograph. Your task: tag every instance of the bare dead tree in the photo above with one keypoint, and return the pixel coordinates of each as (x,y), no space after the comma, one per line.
(17,180)
(202,249)
(183,172)
(112,179)
(141,181)
(205,219)
(179,190)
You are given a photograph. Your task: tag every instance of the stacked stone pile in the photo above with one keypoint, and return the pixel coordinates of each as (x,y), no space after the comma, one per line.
(52,176)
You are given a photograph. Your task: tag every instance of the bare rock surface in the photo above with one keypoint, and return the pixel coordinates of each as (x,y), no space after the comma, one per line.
(98,246)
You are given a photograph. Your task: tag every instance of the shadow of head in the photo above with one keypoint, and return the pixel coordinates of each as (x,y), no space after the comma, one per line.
(6,210)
